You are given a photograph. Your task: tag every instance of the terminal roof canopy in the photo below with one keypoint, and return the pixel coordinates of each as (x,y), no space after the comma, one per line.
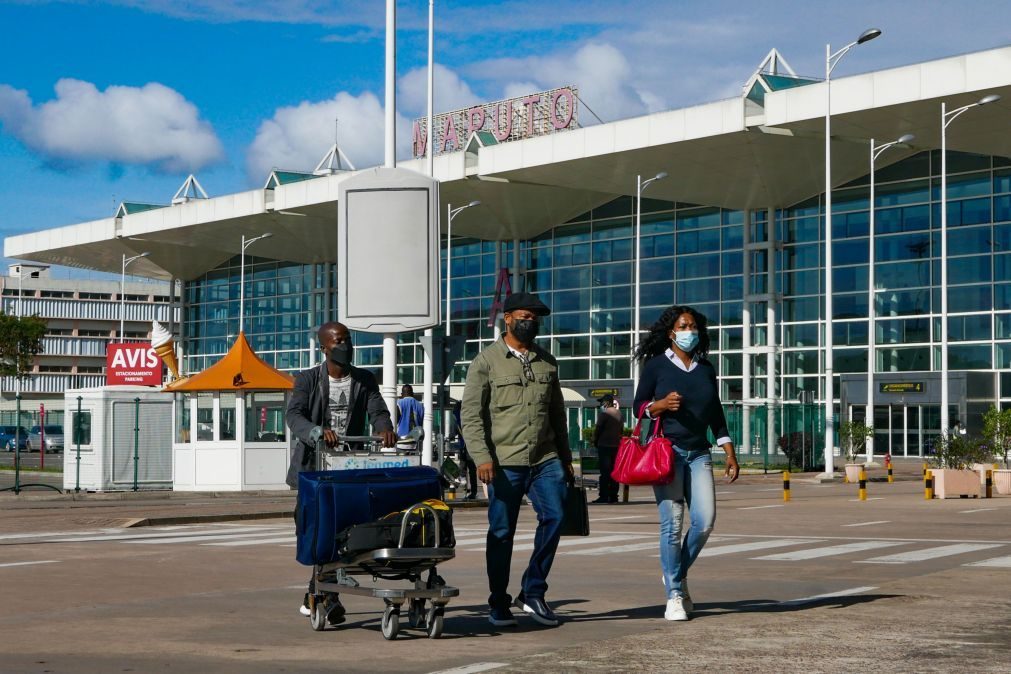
(239,370)
(738,153)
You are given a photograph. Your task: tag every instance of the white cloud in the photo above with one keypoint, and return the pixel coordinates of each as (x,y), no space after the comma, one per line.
(149,125)
(297,137)
(451,92)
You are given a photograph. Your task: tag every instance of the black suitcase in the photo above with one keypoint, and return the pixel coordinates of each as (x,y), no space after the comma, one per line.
(385,532)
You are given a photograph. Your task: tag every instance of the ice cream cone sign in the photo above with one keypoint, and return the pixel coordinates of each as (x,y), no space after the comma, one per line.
(164,346)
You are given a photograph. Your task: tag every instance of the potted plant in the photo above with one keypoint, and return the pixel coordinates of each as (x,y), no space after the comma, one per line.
(954,455)
(853,437)
(997,431)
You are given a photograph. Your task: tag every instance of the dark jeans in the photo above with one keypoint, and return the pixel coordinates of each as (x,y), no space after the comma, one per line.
(607,488)
(545,485)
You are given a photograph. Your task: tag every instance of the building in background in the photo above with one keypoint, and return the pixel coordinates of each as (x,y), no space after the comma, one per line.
(82,319)
(736,229)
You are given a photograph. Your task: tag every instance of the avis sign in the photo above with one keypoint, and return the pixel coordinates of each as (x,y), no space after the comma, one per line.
(132,364)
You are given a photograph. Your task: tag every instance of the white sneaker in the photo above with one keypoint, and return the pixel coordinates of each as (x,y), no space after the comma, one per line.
(686,599)
(675,609)
(304,610)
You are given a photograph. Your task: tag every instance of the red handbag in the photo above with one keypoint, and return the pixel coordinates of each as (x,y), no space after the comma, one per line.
(652,463)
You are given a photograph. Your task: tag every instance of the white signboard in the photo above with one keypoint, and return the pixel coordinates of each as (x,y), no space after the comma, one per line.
(348,461)
(388,251)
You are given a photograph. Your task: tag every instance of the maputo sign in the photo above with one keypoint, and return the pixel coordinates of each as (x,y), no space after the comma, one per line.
(508,120)
(132,364)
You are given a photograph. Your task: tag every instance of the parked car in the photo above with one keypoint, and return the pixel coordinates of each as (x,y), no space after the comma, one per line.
(7,435)
(54,438)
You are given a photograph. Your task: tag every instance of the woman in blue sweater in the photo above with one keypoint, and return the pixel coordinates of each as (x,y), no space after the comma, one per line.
(679,385)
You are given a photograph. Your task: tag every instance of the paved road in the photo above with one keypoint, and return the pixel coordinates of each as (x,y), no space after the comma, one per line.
(824,583)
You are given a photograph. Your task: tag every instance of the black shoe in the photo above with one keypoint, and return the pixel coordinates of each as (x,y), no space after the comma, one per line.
(501,616)
(537,609)
(601,499)
(336,614)
(613,499)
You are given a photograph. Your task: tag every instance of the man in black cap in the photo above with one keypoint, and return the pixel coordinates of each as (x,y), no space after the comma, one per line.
(514,424)
(606,437)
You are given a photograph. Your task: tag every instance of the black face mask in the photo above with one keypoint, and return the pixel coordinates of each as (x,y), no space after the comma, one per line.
(526,330)
(341,354)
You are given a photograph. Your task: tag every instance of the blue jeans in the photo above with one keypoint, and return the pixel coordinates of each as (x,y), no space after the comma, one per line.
(545,484)
(692,485)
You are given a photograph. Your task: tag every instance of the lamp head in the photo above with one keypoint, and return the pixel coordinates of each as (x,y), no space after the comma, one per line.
(868,35)
(266,235)
(660,176)
(907,138)
(474,203)
(144,254)
(989,98)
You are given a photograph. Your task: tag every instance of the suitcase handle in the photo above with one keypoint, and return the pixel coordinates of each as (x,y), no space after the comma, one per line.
(423,507)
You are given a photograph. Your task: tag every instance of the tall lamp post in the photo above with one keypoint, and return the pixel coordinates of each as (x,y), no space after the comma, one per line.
(640,187)
(242,276)
(831,60)
(946,119)
(876,151)
(122,292)
(450,214)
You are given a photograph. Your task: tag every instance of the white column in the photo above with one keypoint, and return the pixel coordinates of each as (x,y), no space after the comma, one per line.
(945,421)
(390,339)
(770,340)
(746,340)
(829,372)
(634,332)
(428,375)
(869,413)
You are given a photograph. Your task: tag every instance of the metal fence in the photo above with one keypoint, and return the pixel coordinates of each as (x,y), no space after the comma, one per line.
(780,434)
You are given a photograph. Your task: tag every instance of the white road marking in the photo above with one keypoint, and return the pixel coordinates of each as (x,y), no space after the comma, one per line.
(257,541)
(472,669)
(723,493)
(977,510)
(756,545)
(929,553)
(197,538)
(772,489)
(484,538)
(577,540)
(44,561)
(870,498)
(623,517)
(830,595)
(760,507)
(996,562)
(14,537)
(831,551)
(867,524)
(633,547)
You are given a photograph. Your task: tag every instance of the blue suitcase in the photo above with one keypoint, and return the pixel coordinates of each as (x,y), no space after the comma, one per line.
(330,501)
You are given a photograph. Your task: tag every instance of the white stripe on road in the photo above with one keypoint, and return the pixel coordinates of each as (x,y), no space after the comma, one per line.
(578,540)
(484,538)
(257,541)
(206,537)
(929,553)
(634,547)
(143,536)
(760,507)
(867,524)
(772,489)
(757,545)
(58,533)
(830,595)
(977,510)
(996,562)
(831,551)
(44,561)
(872,498)
(623,517)
(472,669)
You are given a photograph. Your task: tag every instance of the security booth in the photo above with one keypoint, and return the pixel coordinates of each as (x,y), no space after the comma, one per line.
(907,406)
(117,438)
(229,432)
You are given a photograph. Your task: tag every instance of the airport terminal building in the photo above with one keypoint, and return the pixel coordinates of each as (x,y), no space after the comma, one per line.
(735,228)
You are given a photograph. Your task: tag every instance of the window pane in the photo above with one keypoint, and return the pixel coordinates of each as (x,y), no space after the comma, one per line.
(970,357)
(81,429)
(906,359)
(226,416)
(205,416)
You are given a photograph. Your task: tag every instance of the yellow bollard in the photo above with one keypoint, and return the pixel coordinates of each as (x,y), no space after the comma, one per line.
(786,485)
(862,490)
(890,478)
(989,483)
(928,486)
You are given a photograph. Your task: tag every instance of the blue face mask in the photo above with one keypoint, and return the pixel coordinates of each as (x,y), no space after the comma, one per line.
(686,340)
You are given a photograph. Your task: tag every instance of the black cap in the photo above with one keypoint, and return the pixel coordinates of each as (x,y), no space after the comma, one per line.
(606,398)
(527,301)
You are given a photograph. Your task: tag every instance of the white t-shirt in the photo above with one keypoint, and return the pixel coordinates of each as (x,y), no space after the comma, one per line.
(340,404)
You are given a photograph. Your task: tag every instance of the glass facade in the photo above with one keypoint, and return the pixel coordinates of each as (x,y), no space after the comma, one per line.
(583,270)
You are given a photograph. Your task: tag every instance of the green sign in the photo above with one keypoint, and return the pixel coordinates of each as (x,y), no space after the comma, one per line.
(901,387)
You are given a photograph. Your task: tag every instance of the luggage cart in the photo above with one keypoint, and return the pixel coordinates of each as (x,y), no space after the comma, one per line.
(428,597)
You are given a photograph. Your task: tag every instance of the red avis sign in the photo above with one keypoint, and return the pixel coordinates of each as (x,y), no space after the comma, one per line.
(132,364)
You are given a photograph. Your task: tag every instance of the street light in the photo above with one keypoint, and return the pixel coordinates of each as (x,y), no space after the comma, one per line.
(831,60)
(122,292)
(946,119)
(450,214)
(36,271)
(876,151)
(640,187)
(242,275)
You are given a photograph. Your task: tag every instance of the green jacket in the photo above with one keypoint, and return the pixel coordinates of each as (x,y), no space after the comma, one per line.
(508,419)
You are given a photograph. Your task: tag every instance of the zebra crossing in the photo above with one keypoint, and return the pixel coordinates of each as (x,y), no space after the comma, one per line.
(471,540)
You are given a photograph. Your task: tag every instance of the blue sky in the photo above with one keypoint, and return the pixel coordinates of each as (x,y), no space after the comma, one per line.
(105,101)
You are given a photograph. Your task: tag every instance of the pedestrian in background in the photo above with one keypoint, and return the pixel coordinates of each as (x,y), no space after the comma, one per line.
(606,438)
(678,385)
(515,427)
(410,412)
(466,462)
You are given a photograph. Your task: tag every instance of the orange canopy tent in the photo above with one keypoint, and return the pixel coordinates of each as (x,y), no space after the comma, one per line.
(240,370)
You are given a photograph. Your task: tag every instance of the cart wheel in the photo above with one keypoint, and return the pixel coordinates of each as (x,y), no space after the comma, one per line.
(391,622)
(416,613)
(435,620)
(318,616)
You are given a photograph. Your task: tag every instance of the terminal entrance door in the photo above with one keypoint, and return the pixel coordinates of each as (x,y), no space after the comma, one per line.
(905,430)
